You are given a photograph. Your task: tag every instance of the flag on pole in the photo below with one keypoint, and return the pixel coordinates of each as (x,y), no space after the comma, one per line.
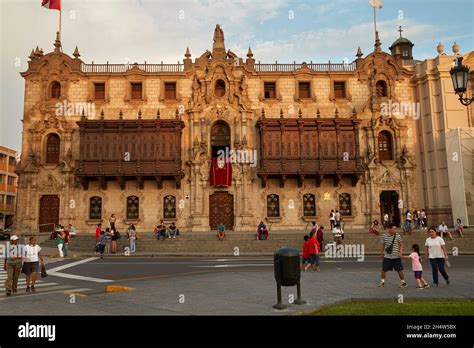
(376,3)
(52,4)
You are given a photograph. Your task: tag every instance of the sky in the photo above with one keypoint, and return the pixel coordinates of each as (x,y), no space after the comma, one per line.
(160,30)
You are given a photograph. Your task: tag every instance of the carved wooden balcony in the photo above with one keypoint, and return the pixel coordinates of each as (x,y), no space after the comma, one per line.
(309,148)
(130,150)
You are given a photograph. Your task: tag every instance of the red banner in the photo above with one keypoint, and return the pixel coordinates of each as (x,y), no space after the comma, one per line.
(221,172)
(52,4)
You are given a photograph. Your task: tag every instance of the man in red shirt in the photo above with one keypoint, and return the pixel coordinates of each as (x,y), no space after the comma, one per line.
(313,251)
(98,231)
(305,253)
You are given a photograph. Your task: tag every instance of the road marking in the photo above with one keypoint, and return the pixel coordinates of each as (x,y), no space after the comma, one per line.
(79,277)
(238,265)
(72,264)
(48,291)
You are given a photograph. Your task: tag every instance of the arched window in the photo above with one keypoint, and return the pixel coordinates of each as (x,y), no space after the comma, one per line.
(133,208)
(95,208)
(169,207)
(309,205)
(52,149)
(345,204)
(381,89)
(273,205)
(219,90)
(55,90)
(385,146)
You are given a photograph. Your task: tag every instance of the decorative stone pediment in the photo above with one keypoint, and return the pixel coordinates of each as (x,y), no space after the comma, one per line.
(48,124)
(388,179)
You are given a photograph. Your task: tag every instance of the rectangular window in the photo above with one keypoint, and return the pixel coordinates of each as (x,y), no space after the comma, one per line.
(99,93)
(137,91)
(10,199)
(170,90)
(270,90)
(3,158)
(11,180)
(11,161)
(2,178)
(2,199)
(304,90)
(339,89)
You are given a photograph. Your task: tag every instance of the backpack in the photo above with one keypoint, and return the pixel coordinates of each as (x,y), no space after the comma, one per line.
(53,235)
(117,235)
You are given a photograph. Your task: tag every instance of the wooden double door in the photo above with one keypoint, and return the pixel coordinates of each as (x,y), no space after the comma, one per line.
(48,213)
(221,210)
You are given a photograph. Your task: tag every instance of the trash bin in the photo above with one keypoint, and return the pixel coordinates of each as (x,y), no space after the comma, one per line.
(286,261)
(287,266)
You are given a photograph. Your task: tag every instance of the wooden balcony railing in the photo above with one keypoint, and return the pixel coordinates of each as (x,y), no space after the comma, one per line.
(123,68)
(7,207)
(276,67)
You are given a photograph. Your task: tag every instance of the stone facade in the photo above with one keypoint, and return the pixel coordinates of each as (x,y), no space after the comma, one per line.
(441,113)
(197,105)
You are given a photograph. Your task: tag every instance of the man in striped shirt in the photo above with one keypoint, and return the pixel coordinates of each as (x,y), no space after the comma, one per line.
(391,252)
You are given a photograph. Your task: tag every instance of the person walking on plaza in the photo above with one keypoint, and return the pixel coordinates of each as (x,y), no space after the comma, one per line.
(435,249)
(114,237)
(12,265)
(458,227)
(60,241)
(221,231)
(332,218)
(101,243)
(67,237)
(385,221)
(112,221)
(423,219)
(320,237)
(338,234)
(313,251)
(443,230)
(407,226)
(31,265)
(391,252)
(337,218)
(132,236)
(98,231)
(416,267)
(305,253)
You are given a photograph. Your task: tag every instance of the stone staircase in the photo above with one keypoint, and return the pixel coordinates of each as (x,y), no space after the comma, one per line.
(206,243)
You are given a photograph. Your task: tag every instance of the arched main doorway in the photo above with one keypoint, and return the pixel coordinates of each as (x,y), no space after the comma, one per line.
(389,205)
(221,210)
(48,213)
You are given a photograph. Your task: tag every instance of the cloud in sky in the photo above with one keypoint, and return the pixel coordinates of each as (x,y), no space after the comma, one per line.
(159,30)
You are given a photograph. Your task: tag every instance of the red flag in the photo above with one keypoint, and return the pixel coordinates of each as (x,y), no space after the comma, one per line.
(52,4)
(221,172)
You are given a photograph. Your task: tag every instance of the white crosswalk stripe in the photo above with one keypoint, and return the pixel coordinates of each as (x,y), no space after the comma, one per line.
(41,287)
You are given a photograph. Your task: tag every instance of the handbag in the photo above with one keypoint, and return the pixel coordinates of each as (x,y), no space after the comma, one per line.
(389,249)
(44,274)
(117,235)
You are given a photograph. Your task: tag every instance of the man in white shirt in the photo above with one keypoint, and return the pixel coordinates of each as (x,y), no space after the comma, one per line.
(31,264)
(443,229)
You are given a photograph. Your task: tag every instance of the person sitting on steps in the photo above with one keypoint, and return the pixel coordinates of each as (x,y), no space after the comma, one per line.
(262,231)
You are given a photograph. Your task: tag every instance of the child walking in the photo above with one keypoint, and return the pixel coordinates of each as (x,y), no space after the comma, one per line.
(305,253)
(416,266)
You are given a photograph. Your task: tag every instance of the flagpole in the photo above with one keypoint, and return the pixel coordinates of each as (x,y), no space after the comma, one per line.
(375,22)
(60,18)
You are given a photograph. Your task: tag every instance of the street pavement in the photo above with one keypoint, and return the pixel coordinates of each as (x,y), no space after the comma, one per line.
(216,286)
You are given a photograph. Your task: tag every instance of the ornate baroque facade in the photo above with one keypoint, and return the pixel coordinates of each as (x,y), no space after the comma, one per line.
(321,138)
